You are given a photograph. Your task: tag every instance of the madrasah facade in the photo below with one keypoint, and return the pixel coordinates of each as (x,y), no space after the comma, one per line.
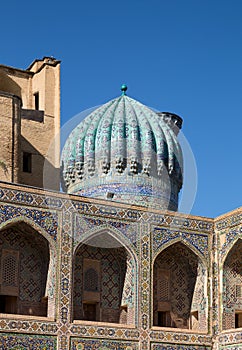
(108,262)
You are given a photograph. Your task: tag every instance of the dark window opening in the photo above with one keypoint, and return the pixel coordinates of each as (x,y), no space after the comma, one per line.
(238,320)
(164,319)
(8,304)
(90,312)
(27,162)
(36,101)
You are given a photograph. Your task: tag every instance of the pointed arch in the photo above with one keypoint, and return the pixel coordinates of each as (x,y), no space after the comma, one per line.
(113,232)
(187,244)
(28,227)
(231,284)
(230,247)
(179,286)
(23,219)
(109,253)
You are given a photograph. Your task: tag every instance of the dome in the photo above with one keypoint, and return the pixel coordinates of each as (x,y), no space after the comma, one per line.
(126,152)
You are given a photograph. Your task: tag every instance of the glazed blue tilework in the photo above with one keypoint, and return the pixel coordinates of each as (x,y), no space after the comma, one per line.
(96,344)
(231,347)
(232,220)
(102,332)
(10,341)
(230,238)
(235,337)
(162,236)
(178,347)
(45,219)
(83,224)
(24,197)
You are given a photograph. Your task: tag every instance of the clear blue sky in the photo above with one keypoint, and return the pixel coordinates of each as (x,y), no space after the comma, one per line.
(182,56)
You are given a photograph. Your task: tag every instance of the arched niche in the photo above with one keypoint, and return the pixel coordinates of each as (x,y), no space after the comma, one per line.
(27,278)
(179,289)
(232,287)
(104,280)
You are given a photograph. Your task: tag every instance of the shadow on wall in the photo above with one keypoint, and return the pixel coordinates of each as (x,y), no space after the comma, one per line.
(8,85)
(38,171)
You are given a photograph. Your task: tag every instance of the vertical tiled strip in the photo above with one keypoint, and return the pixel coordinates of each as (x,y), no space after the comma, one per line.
(145,287)
(65,274)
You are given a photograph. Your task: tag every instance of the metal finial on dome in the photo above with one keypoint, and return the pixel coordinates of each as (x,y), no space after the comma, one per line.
(124,88)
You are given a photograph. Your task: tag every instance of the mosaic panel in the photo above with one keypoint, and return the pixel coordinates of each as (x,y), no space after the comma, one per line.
(85,224)
(110,215)
(96,344)
(115,283)
(162,236)
(228,222)
(175,220)
(180,338)
(231,347)
(28,326)
(26,341)
(179,347)
(231,338)
(182,265)
(32,267)
(231,236)
(232,277)
(105,332)
(47,220)
(145,290)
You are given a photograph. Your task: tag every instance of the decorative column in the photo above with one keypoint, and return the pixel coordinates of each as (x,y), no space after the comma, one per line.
(214,291)
(145,287)
(65,297)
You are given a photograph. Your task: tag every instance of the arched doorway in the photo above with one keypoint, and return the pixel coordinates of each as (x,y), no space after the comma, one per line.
(103,281)
(24,256)
(179,284)
(232,288)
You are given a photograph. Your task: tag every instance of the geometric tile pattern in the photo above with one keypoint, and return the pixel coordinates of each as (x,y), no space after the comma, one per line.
(232,277)
(30,342)
(95,344)
(33,268)
(182,264)
(162,236)
(112,275)
(55,214)
(46,220)
(84,224)
(179,347)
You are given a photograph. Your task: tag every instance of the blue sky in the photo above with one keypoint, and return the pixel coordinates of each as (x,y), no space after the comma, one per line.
(182,56)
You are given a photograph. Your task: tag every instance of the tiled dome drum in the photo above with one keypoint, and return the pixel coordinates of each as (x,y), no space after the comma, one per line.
(126,152)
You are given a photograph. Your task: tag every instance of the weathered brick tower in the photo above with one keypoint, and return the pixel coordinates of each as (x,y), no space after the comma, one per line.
(30,119)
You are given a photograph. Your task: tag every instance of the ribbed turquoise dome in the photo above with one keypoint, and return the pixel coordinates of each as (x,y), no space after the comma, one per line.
(126,152)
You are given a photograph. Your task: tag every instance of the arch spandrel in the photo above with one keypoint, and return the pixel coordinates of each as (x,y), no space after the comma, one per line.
(129,241)
(109,231)
(32,224)
(187,244)
(228,246)
(47,221)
